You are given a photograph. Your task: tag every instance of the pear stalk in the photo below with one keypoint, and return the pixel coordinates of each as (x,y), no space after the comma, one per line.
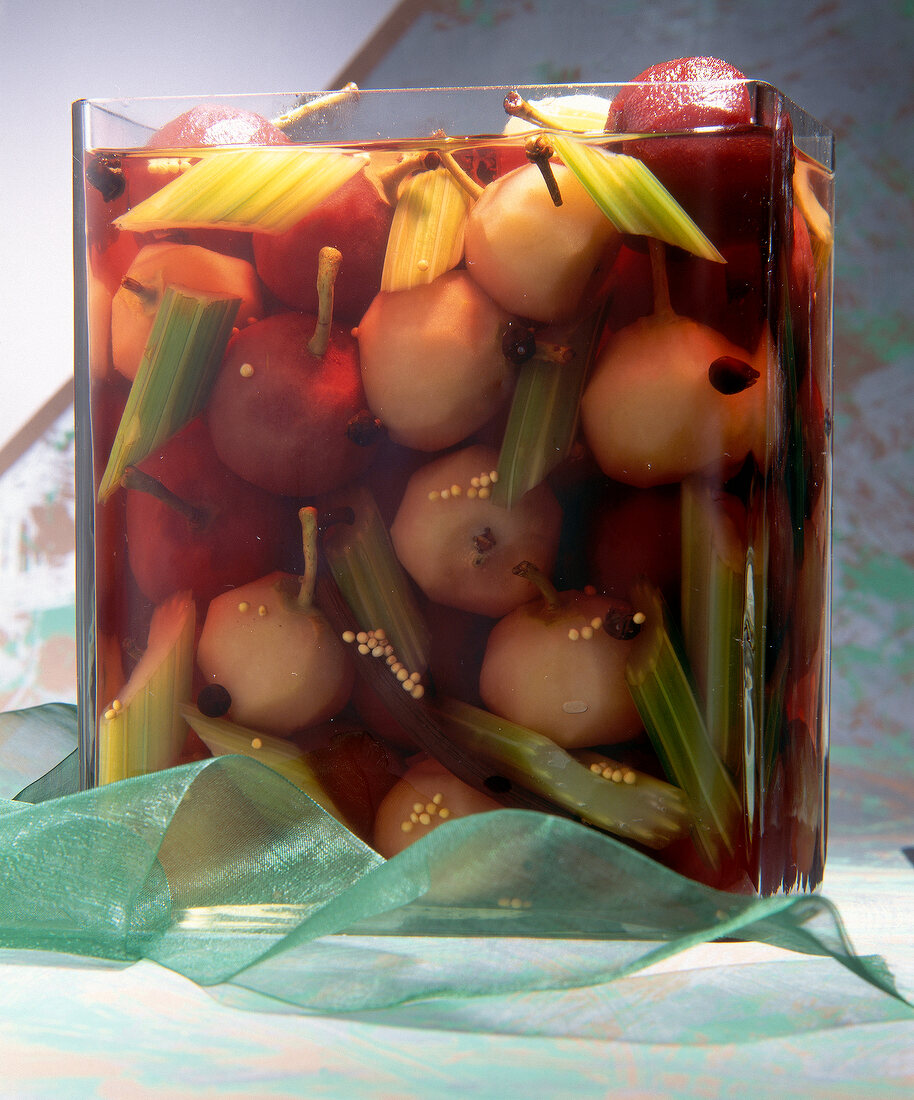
(472,188)
(345,94)
(328,267)
(539,152)
(535,575)
(144,483)
(659,279)
(308,519)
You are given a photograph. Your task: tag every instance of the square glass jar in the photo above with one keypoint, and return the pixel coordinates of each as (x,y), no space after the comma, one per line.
(471,442)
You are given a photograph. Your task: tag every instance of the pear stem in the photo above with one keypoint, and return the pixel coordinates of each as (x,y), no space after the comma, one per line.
(518,107)
(146,294)
(304,110)
(538,152)
(308,520)
(661,284)
(472,188)
(534,574)
(328,266)
(136,479)
(390,178)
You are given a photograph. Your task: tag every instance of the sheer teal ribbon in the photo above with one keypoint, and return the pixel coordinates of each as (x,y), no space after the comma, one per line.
(226,873)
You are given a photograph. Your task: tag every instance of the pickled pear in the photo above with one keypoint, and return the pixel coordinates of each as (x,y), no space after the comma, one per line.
(432,362)
(670,397)
(274,651)
(550,666)
(460,547)
(158,266)
(426,797)
(536,259)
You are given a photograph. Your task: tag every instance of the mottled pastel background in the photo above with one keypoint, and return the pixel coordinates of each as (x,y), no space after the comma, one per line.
(84,1028)
(849,65)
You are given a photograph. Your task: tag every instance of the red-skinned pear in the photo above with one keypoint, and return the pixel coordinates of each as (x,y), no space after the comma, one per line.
(355,219)
(721,176)
(216,124)
(285,410)
(219,532)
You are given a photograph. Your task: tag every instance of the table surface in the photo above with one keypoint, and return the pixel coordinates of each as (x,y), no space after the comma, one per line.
(79,1027)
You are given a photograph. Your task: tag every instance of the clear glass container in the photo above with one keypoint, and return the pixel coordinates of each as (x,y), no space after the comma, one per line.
(530,508)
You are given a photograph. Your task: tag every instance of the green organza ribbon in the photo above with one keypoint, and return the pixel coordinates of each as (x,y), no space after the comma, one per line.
(226,873)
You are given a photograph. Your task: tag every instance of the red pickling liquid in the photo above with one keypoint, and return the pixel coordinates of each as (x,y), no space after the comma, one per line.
(609,532)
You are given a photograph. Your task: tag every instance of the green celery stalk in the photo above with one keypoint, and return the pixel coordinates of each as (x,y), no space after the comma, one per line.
(662,687)
(179,366)
(267,188)
(713,608)
(543,419)
(426,236)
(648,810)
(631,196)
(223,738)
(761,721)
(371,579)
(142,730)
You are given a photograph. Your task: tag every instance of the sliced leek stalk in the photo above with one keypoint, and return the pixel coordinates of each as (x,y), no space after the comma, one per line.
(371,579)
(646,810)
(142,730)
(426,236)
(631,196)
(225,738)
(179,365)
(268,189)
(661,685)
(713,610)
